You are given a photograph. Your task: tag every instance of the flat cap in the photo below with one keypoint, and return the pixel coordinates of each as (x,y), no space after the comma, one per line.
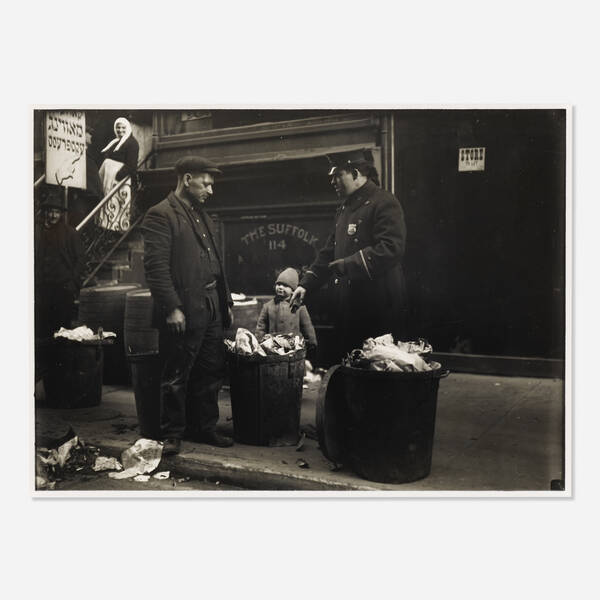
(196,164)
(352,158)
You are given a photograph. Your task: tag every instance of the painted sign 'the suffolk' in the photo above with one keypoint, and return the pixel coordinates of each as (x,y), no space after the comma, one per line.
(279,229)
(65,148)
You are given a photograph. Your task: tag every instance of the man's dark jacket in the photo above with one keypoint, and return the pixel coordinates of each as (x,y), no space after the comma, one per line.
(370,236)
(59,256)
(177,263)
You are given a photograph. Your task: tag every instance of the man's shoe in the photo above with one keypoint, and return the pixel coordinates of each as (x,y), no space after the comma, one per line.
(171,446)
(212,438)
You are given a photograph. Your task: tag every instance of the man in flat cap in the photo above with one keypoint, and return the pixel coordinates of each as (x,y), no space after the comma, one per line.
(362,256)
(192,305)
(59,266)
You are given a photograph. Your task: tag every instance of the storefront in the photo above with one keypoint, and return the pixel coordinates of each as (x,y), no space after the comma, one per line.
(485,257)
(274,204)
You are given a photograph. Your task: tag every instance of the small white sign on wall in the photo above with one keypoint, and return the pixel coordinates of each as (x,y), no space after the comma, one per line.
(471,159)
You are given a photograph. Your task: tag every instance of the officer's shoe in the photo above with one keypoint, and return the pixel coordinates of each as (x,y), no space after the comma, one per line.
(171,446)
(212,438)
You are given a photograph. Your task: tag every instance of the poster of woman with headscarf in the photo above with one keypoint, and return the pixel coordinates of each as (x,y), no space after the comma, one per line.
(120,162)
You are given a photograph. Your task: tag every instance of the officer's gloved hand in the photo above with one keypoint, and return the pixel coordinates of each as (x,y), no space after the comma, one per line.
(297,298)
(338,266)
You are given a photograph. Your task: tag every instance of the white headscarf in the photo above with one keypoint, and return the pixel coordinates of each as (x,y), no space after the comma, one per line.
(119,141)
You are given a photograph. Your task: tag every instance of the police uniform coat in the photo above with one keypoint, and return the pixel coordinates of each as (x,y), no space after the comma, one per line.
(369,299)
(180,259)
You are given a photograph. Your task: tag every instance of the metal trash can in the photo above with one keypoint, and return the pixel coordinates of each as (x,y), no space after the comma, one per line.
(380,424)
(266,395)
(74,375)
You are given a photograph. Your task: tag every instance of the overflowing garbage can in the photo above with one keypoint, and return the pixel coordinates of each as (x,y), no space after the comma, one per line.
(380,422)
(266,393)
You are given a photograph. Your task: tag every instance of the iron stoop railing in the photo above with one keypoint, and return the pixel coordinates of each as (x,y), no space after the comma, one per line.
(101,243)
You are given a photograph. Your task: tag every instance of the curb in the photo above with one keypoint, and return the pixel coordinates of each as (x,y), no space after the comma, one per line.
(239,474)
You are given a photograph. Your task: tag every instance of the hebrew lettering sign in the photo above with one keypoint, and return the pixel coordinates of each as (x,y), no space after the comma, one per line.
(65,148)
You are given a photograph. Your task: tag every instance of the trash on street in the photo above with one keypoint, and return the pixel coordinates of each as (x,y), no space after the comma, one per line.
(143,457)
(106,463)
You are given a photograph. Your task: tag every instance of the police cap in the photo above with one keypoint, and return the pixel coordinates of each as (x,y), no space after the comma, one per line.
(349,160)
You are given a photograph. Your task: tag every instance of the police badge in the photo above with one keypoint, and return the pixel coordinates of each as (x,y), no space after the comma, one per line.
(351,228)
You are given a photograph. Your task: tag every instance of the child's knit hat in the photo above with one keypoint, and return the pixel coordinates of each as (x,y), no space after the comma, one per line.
(288,277)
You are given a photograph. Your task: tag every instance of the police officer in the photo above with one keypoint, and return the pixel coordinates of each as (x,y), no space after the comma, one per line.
(362,257)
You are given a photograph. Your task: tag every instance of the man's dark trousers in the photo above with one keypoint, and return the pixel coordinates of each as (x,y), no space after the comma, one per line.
(192,375)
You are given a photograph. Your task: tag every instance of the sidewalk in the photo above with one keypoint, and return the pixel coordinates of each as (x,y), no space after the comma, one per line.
(492,434)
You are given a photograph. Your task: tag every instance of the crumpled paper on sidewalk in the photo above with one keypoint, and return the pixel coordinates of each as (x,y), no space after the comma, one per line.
(143,457)
(81,334)
(60,455)
(106,463)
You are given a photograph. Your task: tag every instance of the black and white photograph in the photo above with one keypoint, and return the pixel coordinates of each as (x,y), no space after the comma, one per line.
(301,300)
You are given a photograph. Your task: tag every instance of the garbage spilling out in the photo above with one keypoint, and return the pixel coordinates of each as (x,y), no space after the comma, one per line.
(106,463)
(246,344)
(83,334)
(55,464)
(74,459)
(383,354)
(143,457)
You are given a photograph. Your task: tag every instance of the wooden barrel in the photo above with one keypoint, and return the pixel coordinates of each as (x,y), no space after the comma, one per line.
(140,338)
(146,370)
(104,306)
(145,363)
(266,395)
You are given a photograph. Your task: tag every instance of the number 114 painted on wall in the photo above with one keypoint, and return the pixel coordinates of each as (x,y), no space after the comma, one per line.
(277,245)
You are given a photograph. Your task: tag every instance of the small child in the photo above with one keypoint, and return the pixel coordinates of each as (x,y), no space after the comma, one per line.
(276,316)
